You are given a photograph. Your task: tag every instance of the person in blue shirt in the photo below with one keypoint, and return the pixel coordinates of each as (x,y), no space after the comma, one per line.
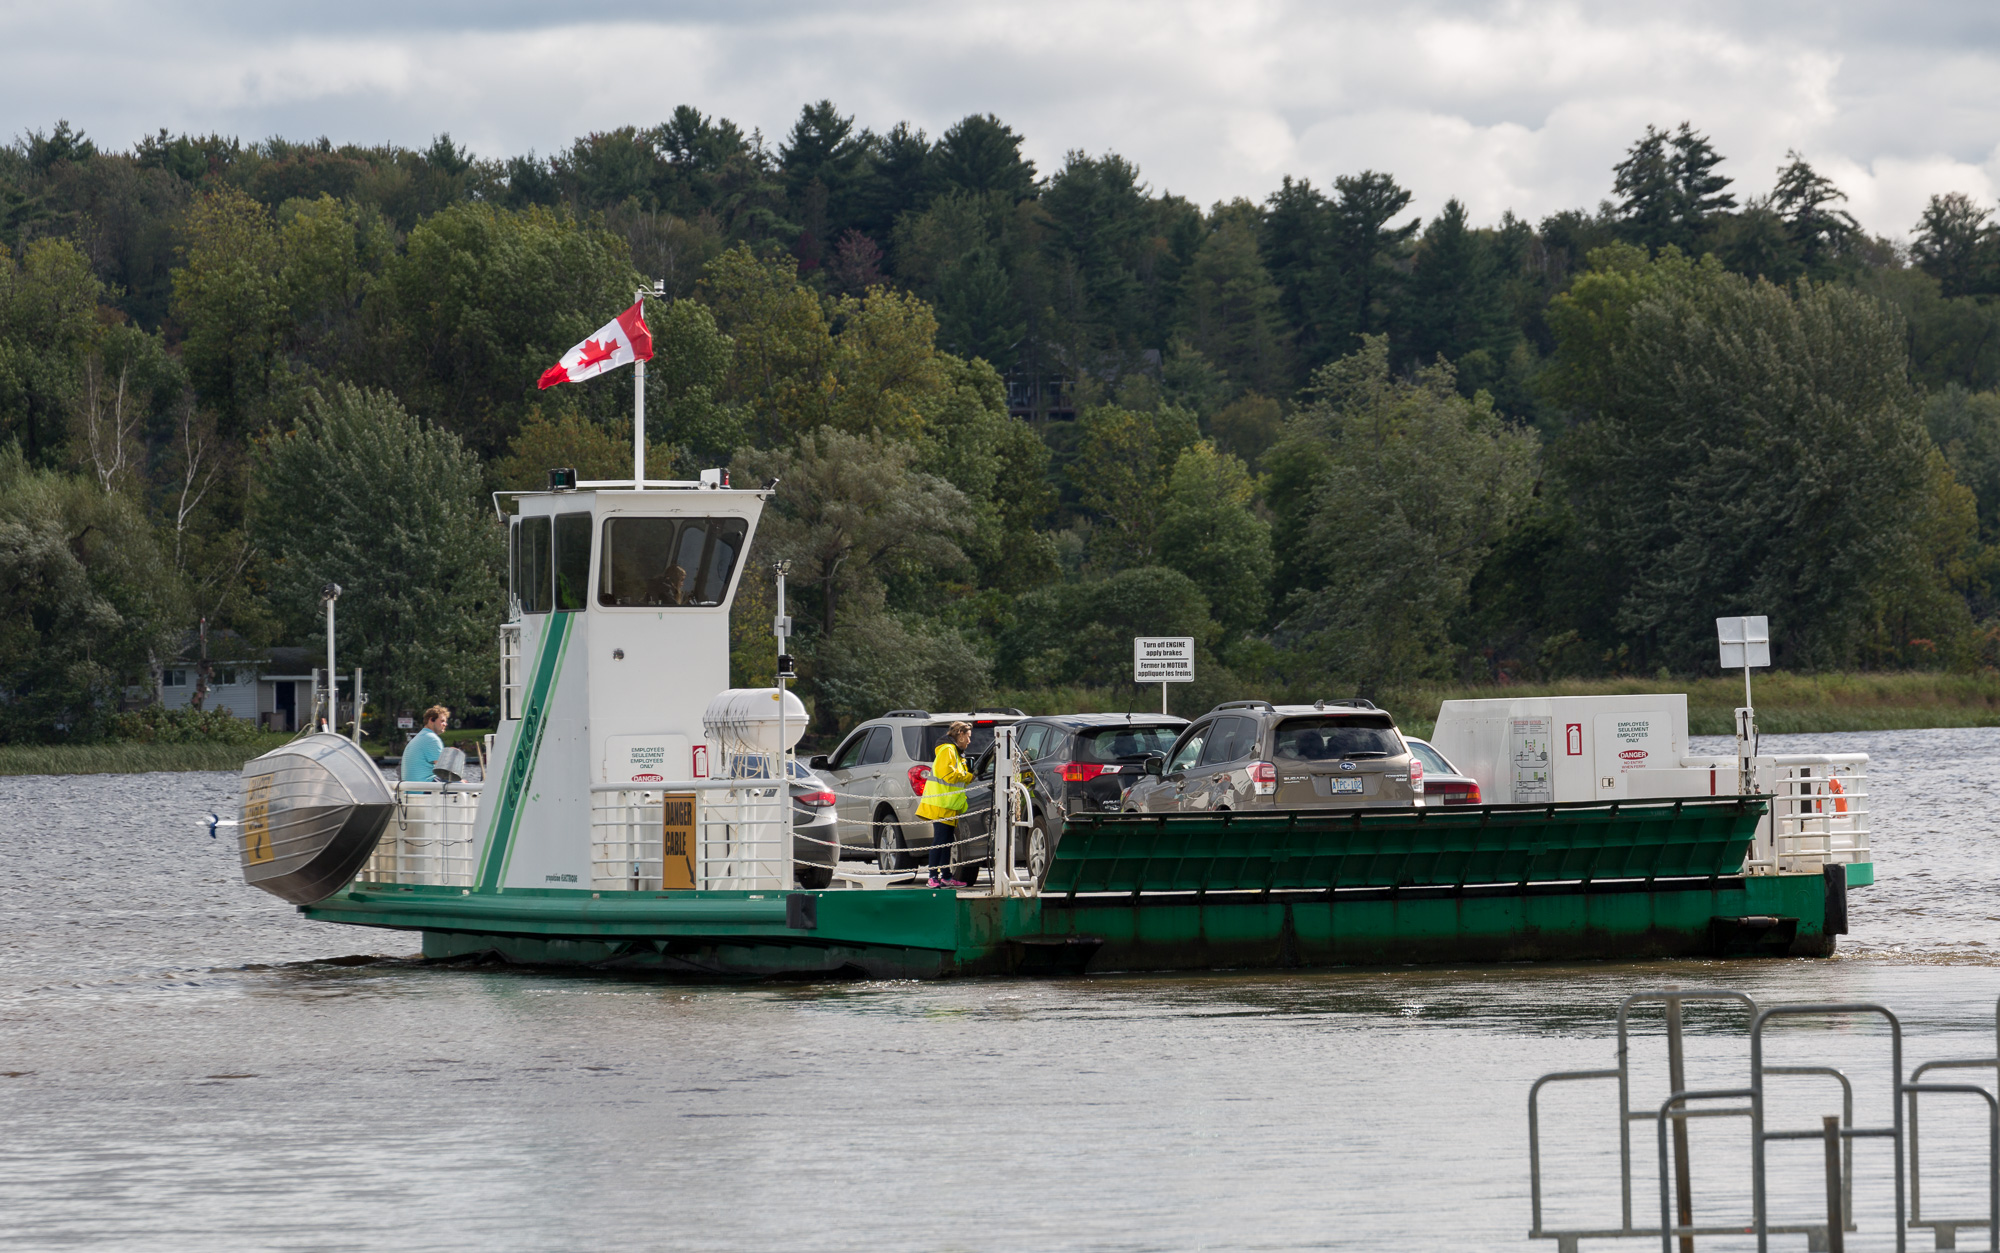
(420,755)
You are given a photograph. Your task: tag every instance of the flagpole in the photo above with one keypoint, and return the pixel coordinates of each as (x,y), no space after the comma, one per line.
(639,415)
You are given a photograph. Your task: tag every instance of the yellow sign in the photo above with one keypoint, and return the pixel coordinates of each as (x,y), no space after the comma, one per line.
(257,820)
(677,837)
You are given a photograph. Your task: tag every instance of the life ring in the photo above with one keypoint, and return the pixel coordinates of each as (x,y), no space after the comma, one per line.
(1838,792)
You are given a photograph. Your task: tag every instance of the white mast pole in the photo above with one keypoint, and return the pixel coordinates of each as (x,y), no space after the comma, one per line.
(639,413)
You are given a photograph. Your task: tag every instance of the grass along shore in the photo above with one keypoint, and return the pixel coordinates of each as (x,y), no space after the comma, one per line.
(1786,703)
(126,757)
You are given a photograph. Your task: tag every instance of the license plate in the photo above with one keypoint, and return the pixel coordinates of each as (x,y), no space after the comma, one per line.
(1346,785)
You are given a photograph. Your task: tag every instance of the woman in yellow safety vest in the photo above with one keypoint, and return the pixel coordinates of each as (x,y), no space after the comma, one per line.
(944,800)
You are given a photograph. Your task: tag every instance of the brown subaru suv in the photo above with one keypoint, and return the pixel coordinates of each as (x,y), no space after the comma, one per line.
(1251,754)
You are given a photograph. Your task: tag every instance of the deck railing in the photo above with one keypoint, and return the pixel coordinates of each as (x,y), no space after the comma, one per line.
(1819,813)
(733,838)
(431,838)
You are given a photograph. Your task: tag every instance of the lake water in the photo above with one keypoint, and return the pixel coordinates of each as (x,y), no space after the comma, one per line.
(189,1065)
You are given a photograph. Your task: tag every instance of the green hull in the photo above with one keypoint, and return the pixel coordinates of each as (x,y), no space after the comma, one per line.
(1200,892)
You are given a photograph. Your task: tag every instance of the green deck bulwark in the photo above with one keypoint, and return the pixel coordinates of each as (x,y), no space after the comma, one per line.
(1198,892)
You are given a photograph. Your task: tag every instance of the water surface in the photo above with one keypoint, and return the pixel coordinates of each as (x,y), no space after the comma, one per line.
(190,1065)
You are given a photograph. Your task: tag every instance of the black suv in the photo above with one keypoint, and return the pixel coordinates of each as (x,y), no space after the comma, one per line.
(1251,754)
(1077,763)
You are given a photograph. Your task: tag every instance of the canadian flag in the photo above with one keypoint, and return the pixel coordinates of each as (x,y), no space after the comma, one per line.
(620,341)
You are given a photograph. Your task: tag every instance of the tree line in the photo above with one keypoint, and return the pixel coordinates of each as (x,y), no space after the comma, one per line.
(1019,415)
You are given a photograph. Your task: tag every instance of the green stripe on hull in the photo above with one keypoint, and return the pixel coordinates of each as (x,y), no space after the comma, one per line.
(521,757)
(923,934)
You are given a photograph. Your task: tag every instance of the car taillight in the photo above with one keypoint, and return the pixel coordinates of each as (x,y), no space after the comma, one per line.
(1455,793)
(1081,771)
(1263,778)
(815,798)
(1417,776)
(918,776)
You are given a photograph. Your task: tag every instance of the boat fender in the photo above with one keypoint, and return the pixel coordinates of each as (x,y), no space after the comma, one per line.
(802,911)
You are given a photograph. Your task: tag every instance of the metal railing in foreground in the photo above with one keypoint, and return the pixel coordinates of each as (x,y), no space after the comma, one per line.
(431,838)
(1945,1230)
(1837,1133)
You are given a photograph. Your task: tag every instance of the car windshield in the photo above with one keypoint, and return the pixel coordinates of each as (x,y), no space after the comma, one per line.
(1123,743)
(1337,738)
(1433,761)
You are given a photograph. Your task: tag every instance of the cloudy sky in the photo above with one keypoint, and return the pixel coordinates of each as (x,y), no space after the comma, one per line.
(1504,105)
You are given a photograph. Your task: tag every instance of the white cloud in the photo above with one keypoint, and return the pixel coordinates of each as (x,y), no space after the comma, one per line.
(1504,105)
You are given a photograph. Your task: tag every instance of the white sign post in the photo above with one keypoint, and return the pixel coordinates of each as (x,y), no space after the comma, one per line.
(1746,642)
(1163,659)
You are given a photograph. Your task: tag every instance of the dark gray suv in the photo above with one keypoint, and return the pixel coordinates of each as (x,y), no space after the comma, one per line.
(1251,754)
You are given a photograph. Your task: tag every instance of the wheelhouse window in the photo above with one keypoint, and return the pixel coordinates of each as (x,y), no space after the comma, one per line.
(652,563)
(572,561)
(530,564)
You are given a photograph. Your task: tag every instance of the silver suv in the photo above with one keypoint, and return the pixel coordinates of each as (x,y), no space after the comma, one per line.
(878,774)
(1251,754)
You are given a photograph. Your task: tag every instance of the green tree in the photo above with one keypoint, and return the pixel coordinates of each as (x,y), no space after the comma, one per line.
(781,373)
(1001,466)
(1803,199)
(88,605)
(1408,488)
(1230,304)
(1082,632)
(981,154)
(1453,306)
(1668,190)
(1958,246)
(389,506)
(976,309)
(230,301)
(48,325)
(482,300)
(1125,460)
(1746,448)
(686,382)
(1210,532)
(851,513)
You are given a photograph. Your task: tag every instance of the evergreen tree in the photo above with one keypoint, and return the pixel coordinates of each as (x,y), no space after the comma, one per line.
(1230,305)
(1803,200)
(980,154)
(1958,246)
(1453,307)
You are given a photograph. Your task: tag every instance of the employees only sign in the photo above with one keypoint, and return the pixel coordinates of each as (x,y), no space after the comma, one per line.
(1163,659)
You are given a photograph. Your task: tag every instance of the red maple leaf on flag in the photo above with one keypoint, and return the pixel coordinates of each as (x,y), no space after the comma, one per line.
(594,352)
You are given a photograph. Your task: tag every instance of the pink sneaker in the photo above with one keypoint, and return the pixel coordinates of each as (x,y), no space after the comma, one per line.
(953,883)
(936,882)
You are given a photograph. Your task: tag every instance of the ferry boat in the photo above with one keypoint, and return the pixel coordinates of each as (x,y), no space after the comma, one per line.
(636,814)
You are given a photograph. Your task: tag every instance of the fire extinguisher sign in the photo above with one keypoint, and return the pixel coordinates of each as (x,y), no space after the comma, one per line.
(1573,739)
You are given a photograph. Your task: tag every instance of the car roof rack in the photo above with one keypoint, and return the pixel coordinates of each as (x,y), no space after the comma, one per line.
(1352,702)
(1246,704)
(908,713)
